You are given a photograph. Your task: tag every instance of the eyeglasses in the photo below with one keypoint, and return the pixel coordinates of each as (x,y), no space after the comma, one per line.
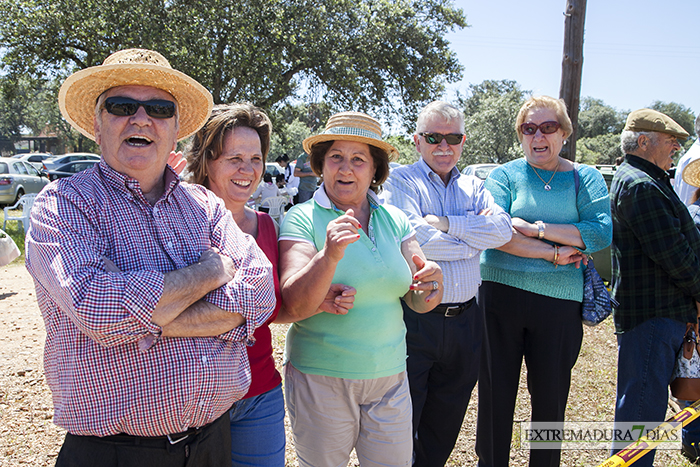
(436,138)
(547,128)
(125,107)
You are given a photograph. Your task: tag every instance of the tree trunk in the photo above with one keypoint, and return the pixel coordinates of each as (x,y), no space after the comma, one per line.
(572,67)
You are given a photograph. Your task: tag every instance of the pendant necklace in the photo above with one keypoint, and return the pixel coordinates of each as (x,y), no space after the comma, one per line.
(546,184)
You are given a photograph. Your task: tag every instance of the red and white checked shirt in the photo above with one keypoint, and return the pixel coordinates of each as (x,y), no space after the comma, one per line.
(103,379)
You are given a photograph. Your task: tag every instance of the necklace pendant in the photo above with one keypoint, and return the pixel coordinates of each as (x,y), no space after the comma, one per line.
(547,187)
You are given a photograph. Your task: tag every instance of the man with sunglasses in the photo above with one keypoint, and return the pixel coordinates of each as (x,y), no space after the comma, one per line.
(148,288)
(455,219)
(655,270)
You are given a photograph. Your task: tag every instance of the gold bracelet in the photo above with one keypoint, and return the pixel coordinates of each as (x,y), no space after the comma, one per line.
(556,256)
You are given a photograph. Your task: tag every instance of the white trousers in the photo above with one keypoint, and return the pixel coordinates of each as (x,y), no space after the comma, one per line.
(331,416)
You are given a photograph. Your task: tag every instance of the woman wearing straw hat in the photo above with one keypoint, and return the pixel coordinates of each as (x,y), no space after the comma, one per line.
(345,379)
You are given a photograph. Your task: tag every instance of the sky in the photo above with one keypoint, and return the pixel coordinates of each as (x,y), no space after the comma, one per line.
(634,52)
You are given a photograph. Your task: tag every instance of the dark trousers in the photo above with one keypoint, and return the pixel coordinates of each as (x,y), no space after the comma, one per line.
(211,447)
(443,366)
(547,332)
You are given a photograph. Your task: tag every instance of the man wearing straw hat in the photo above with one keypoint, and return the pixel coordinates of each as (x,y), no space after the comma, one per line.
(455,218)
(655,268)
(148,289)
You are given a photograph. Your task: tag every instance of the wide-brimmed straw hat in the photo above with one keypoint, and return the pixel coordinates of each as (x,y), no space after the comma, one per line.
(78,95)
(353,126)
(691,173)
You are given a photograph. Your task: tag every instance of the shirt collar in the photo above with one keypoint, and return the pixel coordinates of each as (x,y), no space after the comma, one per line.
(649,167)
(126,184)
(321,198)
(431,175)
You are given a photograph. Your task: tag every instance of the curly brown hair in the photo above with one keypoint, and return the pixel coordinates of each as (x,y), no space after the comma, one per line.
(380,157)
(208,143)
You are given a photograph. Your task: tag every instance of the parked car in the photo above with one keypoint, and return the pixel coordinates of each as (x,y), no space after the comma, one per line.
(54,163)
(71,168)
(479,170)
(18,178)
(35,158)
(273,168)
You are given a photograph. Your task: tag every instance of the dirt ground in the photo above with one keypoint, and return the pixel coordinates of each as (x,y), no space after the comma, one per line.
(28,436)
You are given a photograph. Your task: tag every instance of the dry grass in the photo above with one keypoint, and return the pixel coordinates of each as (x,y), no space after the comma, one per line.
(28,437)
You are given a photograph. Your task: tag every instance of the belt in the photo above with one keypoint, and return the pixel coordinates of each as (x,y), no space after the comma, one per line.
(450,310)
(172,438)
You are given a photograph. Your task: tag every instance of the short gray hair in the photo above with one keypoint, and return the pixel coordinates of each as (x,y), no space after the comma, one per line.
(629,140)
(439,108)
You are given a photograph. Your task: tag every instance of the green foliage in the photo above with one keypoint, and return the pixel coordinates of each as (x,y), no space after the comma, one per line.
(596,119)
(406,148)
(385,57)
(16,231)
(490,112)
(287,139)
(678,112)
(600,149)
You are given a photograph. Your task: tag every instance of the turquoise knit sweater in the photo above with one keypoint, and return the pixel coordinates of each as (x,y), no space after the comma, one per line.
(517,189)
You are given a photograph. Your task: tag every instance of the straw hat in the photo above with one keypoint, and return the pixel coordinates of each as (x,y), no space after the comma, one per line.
(79,93)
(691,173)
(353,126)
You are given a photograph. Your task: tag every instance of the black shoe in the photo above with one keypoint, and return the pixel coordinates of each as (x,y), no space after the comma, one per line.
(692,453)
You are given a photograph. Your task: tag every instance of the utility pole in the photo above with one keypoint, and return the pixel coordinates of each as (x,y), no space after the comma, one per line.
(572,67)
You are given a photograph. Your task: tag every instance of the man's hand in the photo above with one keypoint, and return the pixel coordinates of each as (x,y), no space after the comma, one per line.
(442,223)
(220,267)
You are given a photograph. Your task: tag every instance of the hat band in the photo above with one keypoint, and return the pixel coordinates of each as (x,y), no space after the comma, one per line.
(344,130)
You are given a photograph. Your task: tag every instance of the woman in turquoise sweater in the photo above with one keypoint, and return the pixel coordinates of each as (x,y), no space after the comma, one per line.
(533,286)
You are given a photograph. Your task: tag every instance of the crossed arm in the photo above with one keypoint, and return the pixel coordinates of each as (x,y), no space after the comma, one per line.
(181,312)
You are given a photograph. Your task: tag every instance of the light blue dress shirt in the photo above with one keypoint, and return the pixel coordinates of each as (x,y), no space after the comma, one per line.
(419,191)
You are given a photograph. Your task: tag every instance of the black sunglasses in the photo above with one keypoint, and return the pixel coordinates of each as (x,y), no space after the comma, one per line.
(126,106)
(436,138)
(547,128)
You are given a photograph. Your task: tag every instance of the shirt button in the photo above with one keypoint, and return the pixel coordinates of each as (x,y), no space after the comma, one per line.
(204,359)
(170,244)
(374,249)
(201,404)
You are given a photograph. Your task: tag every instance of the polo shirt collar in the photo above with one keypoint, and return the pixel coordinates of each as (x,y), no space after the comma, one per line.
(322,199)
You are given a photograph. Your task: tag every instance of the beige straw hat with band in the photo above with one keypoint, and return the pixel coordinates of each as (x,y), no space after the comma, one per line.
(353,126)
(691,173)
(133,67)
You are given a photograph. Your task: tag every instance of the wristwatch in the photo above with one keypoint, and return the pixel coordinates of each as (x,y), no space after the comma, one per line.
(540,229)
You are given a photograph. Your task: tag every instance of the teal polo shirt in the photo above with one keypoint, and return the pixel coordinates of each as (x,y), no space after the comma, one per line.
(369,341)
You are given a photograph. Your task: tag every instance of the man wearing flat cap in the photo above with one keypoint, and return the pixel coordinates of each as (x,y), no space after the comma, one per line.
(149,290)
(655,268)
